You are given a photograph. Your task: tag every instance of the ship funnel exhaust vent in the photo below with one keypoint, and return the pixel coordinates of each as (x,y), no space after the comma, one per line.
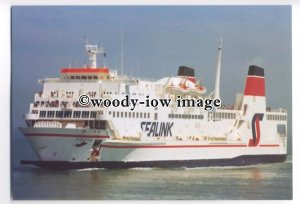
(186,71)
(256,71)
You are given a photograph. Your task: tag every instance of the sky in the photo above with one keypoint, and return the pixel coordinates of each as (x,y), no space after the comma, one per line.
(157,40)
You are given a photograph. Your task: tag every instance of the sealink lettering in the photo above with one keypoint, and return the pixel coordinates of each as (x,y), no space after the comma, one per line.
(158,129)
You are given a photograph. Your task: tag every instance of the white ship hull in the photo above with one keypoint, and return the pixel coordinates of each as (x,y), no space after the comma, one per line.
(71,149)
(57,144)
(159,151)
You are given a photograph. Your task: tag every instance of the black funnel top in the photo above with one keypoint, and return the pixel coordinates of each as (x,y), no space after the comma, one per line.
(255,71)
(186,71)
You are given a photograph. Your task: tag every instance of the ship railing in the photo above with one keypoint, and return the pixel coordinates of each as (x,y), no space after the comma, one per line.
(134,79)
(49,80)
(147,79)
(230,107)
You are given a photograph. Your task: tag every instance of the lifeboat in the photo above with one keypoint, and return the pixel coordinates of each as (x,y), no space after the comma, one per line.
(185,87)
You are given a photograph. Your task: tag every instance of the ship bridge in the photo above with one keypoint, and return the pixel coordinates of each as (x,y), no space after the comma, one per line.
(91,72)
(101,73)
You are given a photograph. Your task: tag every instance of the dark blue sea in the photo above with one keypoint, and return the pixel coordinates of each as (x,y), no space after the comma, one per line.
(257,182)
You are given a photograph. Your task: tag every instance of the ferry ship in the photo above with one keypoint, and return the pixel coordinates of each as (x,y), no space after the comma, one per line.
(67,135)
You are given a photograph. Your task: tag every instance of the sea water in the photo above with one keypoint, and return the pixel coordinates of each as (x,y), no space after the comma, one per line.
(256,182)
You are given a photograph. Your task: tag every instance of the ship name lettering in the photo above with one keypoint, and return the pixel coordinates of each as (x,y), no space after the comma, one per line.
(162,129)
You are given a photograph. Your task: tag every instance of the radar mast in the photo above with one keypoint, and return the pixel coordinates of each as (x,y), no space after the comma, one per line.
(92,51)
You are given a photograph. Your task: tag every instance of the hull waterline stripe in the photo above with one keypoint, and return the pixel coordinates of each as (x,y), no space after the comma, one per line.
(184,146)
(63,135)
(171,146)
(142,146)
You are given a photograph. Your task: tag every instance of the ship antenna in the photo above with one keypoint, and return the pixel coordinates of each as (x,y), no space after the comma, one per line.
(122,54)
(103,52)
(218,70)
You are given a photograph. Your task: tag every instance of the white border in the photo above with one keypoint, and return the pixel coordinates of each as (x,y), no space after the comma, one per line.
(150,2)
(5,6)
(5,103)
(295,97)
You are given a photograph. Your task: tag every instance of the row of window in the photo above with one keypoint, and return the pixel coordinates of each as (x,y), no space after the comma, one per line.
(222,115)
(70,93)
(95,124)
(86,77)
(120,114)
(123,93)
(67,114)
(276,117)
(186,116)
(92,114)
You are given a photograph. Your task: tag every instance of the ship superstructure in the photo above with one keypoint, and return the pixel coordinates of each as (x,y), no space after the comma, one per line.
(66,134)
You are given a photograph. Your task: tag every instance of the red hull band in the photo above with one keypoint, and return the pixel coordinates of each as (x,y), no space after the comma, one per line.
(182,146)
(64,135)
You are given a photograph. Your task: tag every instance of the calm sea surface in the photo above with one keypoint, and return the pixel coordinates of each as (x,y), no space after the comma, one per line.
(263,181)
